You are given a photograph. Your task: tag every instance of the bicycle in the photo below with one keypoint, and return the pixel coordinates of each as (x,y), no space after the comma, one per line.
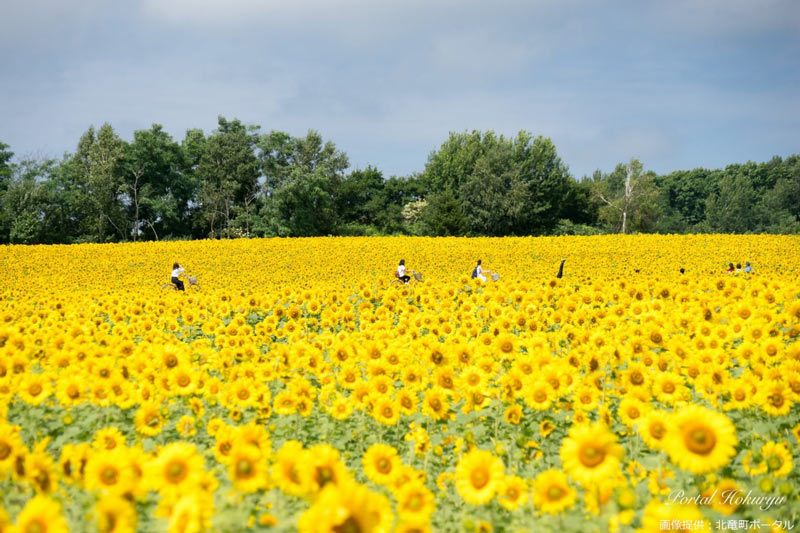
(191,285)
(397,282)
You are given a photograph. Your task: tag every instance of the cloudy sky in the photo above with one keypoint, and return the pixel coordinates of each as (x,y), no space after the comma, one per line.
(677,84)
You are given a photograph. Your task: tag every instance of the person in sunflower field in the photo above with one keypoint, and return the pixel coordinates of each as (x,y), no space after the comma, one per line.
(747,268)
(401,272)
(478,272)
(177,270)
(560,269)
(730,270)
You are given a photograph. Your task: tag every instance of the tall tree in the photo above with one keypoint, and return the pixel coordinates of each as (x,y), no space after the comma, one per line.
(731,209)
(304,176)
(229,172)
(5,177)
(629,195)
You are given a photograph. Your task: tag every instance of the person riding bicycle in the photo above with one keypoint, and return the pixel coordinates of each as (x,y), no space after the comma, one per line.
(177,270)
(478,272)
(401,272)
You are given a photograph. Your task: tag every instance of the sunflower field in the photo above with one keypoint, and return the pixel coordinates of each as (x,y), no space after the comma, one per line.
(297,389)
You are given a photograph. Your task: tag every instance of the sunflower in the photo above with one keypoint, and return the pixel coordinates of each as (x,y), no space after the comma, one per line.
(775,399)
(513,493)
(40,469)
(661,517)
(10,446)
(34,389)
(777,458)
(435,404)
(148,419)
(386,411)
(247,468)
(115,515)
(349,508)
(631,410)
(192,512)
(723,496)
(478,475)
(700,439)
(109,471)
(552,493)
(41,515)
(415,503)
(513,414)
(590,453)
(177,469)
(322,467)
(381,464)
(653,428)
(286,470)
(539,395)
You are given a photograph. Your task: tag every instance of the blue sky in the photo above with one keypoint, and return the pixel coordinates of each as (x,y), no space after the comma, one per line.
(678,84)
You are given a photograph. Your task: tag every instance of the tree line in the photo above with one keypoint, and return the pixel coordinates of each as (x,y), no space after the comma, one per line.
(239,182)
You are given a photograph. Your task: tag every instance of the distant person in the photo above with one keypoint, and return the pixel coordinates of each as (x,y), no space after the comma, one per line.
(177,270)
(682,271)
(478,272)
(747,268)
(561,269)
(730,270)
(401,272)
(738,267)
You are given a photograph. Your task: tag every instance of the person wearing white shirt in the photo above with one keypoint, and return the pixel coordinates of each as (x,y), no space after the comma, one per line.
(401,272)
(177,270)
(477,272)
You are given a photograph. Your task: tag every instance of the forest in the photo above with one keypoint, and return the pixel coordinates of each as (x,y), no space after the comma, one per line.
(238,182)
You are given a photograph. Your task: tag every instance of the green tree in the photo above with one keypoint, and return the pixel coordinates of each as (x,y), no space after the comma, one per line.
(731,209)
(443,216)
(34,209)
(156,197)
(630,198)
(504,186)
(5,177)
(304,177)
(228,170)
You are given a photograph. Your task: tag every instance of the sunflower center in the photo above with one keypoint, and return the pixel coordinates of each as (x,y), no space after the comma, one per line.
(774,463)
(479,478)
(591,455)
(152,420)
(176,472)
(668,387)
(739,395)
(776,400)
(633,412)
(37,526)
(35,389)
(387,412)
(72,392)
(540,396)
(243,394)
(183,380)
(637,378)
(657,430)
(324,475)
(700,440)
(414,503)
(384,465)
(109,476)
(348,526)
(244,468)
(5,450)
(555,493)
